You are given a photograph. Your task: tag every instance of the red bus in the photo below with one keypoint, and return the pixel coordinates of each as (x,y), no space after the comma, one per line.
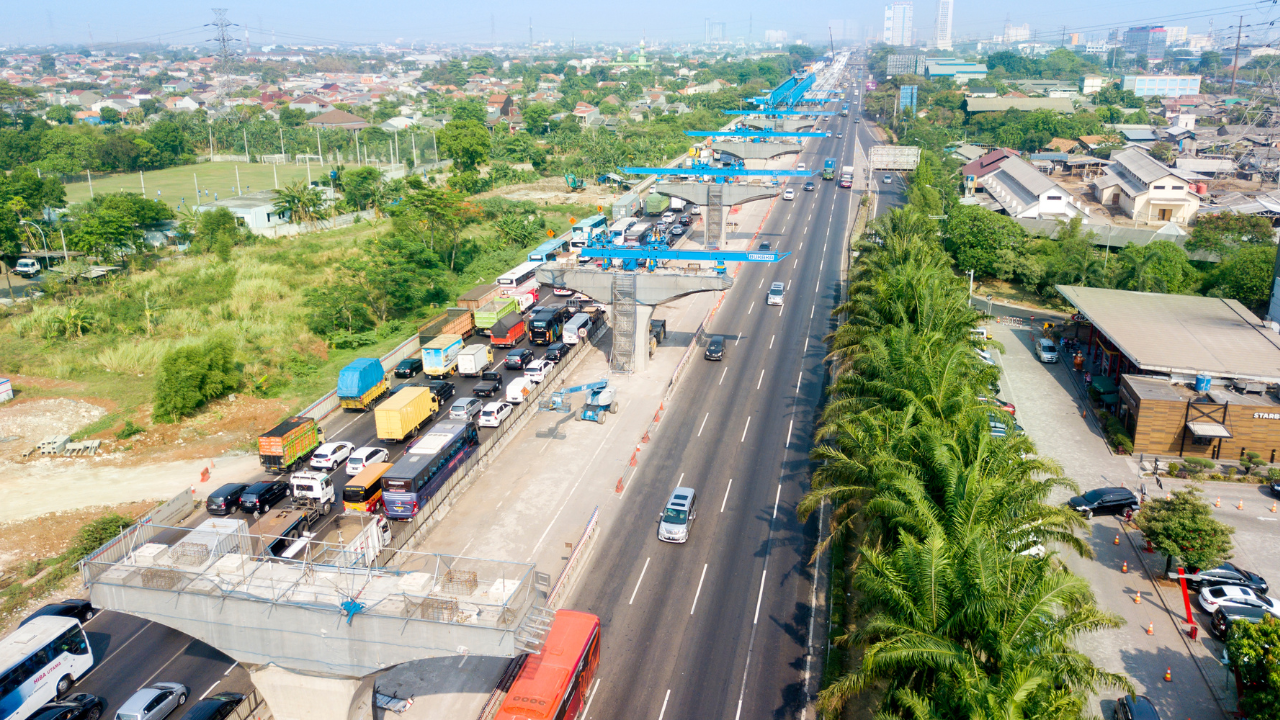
(553,684)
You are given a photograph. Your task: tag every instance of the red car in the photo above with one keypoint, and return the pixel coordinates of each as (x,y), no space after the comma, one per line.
(1002,404)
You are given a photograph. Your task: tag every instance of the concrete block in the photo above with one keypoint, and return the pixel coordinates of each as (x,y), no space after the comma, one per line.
(230,564)
(416,583)
(150,554)
(501,590)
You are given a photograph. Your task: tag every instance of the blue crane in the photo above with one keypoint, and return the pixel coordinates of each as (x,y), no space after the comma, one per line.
(558,402)
(648,257)
(751,133)
(779,112)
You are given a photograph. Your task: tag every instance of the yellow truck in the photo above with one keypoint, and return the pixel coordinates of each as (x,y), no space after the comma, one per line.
(404,414)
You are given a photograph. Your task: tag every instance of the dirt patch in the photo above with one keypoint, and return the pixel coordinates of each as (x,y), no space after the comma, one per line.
(553,191)
(23,423)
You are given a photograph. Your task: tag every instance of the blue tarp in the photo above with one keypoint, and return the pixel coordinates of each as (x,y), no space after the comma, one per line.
(357,378)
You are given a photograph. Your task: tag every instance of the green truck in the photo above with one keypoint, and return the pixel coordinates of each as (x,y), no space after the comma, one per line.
(656,204)
(829,169)
(488,316)
(289,444)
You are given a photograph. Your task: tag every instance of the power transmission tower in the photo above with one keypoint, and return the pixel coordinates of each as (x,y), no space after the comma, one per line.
(223,38)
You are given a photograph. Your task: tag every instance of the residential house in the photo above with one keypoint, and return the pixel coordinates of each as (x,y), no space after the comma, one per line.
(1090,84)
(83,98)
(1146,189)
(255,210)
(1026,104)
(310,104)
(968,153)
(176,85)
(1019,190)
(974,172)
(714,86)
(338,119)
(500,106)
(183,104)
(584,113)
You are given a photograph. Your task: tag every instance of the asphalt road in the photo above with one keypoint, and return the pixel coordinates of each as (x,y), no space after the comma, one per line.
(720,627)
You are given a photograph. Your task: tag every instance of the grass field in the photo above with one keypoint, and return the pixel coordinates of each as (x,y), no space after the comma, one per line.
(177,184)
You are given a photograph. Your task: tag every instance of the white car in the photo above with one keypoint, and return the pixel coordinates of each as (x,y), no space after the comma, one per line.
(561,291)
(695,210)
(153,703)
(888,179)
(331,455)
(985,356)
(364,457)
(537,370)
(494,413)
(668,216)
(1234,595)
(801,166)
(26,267)
(788,194)
(776,291)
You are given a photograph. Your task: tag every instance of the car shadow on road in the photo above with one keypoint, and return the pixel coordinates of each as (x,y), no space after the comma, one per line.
(1175,698)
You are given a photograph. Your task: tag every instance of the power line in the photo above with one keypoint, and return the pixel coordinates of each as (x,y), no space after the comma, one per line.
(223,38)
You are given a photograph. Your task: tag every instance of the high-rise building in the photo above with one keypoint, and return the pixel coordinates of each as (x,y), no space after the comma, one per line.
(1017,33)
(898,28)
(775,37)
(942,30)
(1176,35)
(1148,40)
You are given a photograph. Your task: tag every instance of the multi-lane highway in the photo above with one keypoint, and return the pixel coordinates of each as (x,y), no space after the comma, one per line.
(721,627)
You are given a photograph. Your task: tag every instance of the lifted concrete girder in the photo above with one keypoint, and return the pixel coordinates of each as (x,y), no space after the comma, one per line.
(651,288)
(757,151)
(299,696)
(733,194)
(780,124)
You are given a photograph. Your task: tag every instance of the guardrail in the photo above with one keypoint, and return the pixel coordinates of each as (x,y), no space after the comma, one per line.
(578,556)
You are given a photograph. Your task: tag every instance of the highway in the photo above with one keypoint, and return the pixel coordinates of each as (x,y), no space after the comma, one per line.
(720,627)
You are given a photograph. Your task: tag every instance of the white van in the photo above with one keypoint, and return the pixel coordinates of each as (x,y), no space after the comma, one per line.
(577,328)
(518,390)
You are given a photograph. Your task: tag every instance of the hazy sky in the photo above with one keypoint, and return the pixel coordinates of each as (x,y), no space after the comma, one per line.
(181,21)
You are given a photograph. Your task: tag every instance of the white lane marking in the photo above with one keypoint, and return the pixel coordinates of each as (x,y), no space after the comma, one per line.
(722,373)
(761,380)
(780,312)
(818,285)
(777,496)
(801,246)
(664,704)
(760,597)
(699,592)
(805,230)
(744,429)
(338,432)
(794,264)
(229,669)
(753,307)
(704,419)
(738,340)
(104,660)
(800,378)
(680,480)
(820,264)
(726,494)
(811,311)
(211,687)
(166,663)
(771,337)
(639,580)
(806,344)
(761,284)
(790,426)
(587,710)
(813,604)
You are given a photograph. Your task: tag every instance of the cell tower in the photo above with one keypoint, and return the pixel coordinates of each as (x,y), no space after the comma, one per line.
(223,38)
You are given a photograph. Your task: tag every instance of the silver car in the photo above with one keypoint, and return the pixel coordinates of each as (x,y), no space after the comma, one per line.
(678,516)
(154,702)
(465,409)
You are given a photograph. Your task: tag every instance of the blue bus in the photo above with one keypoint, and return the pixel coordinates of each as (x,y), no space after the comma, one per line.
(547,251)
(584,230)
(410,486)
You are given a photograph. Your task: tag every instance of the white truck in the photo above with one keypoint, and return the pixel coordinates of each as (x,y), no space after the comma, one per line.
(677,205)
(846,176)
(351,539)
(474,359)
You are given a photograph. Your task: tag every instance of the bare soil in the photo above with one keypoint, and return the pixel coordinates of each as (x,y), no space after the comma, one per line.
(25,422)
(553,191)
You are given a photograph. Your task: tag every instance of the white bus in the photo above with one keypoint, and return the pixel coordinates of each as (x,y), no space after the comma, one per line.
(38,662)
(522,280)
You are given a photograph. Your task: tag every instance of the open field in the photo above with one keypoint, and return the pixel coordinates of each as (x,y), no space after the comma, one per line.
(178,184)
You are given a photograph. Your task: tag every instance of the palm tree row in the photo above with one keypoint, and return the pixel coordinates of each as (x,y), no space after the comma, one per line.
(961,612)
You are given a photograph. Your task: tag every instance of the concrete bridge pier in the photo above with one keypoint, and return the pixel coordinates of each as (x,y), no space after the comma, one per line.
(294,695)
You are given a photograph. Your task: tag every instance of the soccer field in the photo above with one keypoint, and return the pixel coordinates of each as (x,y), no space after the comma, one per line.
(177,185)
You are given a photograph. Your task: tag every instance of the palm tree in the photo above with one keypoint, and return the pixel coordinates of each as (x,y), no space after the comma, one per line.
(1082,268)
(301,202)
(1139,273)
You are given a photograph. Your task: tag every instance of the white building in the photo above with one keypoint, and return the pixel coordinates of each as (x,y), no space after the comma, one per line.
(1146,189)
(898,23)
(1090,84)
(775,37)
(1022,191)
(1016,33)
(1175,35)
(942,30)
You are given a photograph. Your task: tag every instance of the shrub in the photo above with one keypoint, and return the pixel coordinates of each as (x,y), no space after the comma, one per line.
(1173,468)
(129,430)
(193,375)
(1273,473)
(1231,473)
(1201,463)
(1216,477)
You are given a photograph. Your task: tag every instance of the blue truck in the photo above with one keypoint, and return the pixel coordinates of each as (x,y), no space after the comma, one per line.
(361,384)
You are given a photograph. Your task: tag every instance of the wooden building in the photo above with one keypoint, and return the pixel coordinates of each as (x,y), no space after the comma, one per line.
(1169,418)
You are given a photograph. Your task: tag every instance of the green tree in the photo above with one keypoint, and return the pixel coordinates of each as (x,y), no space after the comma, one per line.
(48,65)
(292,117)
(1210,62)
(1164,152)
(536,116)
(1247,275)
(363,187)
(1183,527)
(472,110)
(59,114)
(168,140)
(192,375)
(109,115)
(1160,266)
(301,202)
(977,236)
(10,246)
(466,141)
(1221,232)
(1253,652)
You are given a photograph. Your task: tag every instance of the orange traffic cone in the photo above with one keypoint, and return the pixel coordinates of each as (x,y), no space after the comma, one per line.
(1240,505)
(1151,628)
(1117,542)
(1167,496)
(1125,567)
(1168,674)
(1137,599)
(1273,507)
(1217,503)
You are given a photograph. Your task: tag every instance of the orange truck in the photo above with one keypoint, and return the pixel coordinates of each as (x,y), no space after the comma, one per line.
(289,444)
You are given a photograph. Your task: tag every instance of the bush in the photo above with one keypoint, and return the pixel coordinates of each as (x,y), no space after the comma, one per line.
(1217,477)
(192,375)
(1200,463)
(1273,473)
(95,535)
(129,430)
(1173,468)
(1231,473)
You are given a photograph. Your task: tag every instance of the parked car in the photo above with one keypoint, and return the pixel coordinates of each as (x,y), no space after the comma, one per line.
(1108,500)
(1002,404)
(81,706)
(715,348)
(556,352)
(225,499)
(537,370)
(494,413)
(442,389)
(27,268)
(1135,707)
(364,457)
(1046,351)
(1213,597)
(81,610)
(154,702)
(215,707)
(1227,615)
(809,183)
(788,194)
(262,496)
(464,409)
(408,367)
(330,455)
(1224,574)
(490,384)
(517,359)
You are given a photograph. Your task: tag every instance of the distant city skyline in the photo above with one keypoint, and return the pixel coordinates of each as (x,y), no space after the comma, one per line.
(507,22)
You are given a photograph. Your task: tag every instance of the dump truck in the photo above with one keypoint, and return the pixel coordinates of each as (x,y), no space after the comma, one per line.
(508,332)
(289,444)
(361,384)
(440,356)
(493,311)
(656,204)
(404,414)
(473,359)
(454,321)
(476,297)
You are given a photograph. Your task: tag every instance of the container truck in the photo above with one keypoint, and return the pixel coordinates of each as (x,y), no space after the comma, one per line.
(476,297)
(361,384)
(474,359)
(656,204)
(404,414)
(628,205)
(440,356)
(829,169)
(289,444)
(846,176)
(508,332)
(494,311)
(453,321)
(677,204)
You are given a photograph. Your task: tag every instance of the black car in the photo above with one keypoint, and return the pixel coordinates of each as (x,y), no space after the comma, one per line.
(409,367)
(764,245)
(442,389)
(81,706)
(518,358)
(262,496)
(809,185)
(556,352)
(686,220)
(406,385)
(715,348)
(490,384)
(215,707)
(1227,615)
(1102,501)
(1135,707)
(225,499)
(81,610)
(1224,574)
(1275,487)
